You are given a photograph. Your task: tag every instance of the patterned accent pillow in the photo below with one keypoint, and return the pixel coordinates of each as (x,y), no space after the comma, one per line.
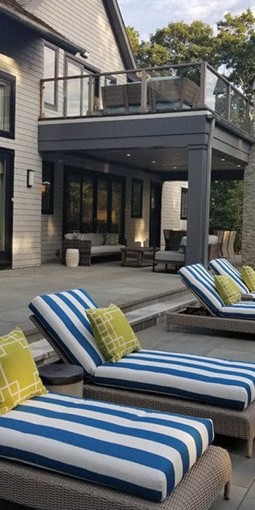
(19,377)
(111,238)
(113,333)
(227,289)
(248,276)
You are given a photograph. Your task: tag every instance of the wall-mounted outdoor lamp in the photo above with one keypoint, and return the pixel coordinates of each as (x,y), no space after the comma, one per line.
(30,178)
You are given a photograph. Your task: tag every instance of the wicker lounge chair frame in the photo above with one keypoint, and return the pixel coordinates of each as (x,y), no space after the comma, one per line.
(45,490)
(229,422)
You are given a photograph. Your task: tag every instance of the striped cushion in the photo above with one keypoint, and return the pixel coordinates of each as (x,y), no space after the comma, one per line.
(223,266)
(201,282)
(63,315)
(215,381)
(135,450)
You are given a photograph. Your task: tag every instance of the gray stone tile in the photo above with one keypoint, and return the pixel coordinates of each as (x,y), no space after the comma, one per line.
(236,496)
(249,501)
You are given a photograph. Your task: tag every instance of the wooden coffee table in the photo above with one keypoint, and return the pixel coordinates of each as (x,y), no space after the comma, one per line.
(137,256)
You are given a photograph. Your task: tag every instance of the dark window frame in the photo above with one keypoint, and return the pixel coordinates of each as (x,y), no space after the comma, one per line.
(96,176)
(137,198)
(53,106)
(48,175)
(11,80)
(184,204)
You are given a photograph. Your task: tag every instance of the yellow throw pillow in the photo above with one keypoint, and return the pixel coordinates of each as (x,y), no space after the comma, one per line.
(19,377)
(113,333)
(227,289)
(248,276)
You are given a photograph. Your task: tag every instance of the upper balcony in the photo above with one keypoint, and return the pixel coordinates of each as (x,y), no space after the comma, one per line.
(144,91)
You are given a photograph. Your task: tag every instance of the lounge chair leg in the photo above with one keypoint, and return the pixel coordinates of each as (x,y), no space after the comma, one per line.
(249,448)
(227,490)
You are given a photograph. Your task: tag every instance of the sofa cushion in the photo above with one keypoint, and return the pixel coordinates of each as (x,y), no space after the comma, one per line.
(143,452)
(19,377)
(106,249)
(111,238)
(113,333)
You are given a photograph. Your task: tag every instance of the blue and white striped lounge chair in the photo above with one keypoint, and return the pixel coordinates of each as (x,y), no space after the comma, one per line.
(223,266)
(146,455)
(201,282)
(199,386)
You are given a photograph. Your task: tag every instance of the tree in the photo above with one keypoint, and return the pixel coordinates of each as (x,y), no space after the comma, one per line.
(236,46)
(233,46)
(227,207)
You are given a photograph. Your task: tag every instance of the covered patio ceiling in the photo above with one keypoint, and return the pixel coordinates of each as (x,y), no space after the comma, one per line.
(171,162)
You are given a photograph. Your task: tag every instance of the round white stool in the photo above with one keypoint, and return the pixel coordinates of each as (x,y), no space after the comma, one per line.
(72,257)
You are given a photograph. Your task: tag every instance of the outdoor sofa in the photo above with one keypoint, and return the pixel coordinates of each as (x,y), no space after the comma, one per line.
(198,386)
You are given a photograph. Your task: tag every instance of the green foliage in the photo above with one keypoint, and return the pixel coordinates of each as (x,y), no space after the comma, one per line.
(227,207)
(233,46)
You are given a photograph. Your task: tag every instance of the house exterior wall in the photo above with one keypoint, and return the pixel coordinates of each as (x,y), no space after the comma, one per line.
(25,62)
(37,238)
(171,207)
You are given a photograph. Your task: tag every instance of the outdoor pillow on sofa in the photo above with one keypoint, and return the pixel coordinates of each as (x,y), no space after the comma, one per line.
(135,450)
(209,380)
(19,377)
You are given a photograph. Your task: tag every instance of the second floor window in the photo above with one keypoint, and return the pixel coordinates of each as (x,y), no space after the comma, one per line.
(7,105)
(50,71)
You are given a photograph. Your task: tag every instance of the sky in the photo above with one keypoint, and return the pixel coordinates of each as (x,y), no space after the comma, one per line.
(148,15)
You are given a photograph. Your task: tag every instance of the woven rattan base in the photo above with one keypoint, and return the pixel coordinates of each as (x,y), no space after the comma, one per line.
(229,422)
(44,490)
(196,320)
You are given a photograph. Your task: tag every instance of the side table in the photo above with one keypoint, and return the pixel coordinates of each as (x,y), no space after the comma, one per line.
(62,378)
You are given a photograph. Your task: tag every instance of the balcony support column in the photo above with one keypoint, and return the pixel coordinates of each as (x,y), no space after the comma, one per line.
(199,179)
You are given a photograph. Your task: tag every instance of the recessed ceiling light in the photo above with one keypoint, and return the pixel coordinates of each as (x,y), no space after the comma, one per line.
(128,155)
(222,159)
(174,167)
(153,162)
(238,166)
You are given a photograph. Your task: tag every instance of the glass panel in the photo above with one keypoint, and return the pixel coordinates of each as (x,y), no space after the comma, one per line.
(102,201)
(184,203)
(137,198)
(73,205)
(74,91)
(216,93)
(116,212)
(87,205)
(50,57)
(5,104)
(237,109)
(2,204)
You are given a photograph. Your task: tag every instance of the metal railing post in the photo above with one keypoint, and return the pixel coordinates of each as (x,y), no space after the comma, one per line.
(144,105)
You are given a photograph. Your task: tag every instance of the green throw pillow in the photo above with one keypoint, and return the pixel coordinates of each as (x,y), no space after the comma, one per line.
(113,333)
(227,289)
(248,276)
(19,377)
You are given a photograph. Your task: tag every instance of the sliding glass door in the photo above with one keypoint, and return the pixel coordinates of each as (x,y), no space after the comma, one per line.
(6,192)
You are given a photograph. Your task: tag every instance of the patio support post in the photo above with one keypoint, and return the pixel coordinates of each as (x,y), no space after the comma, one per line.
(199,179)
(248,238)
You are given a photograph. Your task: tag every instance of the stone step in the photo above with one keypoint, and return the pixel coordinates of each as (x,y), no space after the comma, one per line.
(148,316)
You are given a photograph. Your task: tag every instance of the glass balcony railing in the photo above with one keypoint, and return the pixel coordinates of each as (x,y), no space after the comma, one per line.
(148,90)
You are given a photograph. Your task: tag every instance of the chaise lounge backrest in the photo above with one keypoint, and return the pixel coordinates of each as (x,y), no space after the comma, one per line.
(199,280)
(63,316)
(223,266)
